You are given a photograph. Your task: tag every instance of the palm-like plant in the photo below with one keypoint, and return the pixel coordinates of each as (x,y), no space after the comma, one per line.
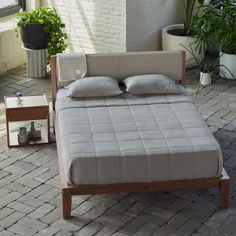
(189,6)
(227,27)
(216,28)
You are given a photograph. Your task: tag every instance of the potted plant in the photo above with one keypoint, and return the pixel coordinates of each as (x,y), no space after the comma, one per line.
(206,67)
(42,28)
(203,31)
(174,36)
(205,64)
(215,29)
(226,34)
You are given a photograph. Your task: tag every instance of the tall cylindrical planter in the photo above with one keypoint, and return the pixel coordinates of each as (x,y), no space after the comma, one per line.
(228,66)
(36,63)
(171,42)
(205,78)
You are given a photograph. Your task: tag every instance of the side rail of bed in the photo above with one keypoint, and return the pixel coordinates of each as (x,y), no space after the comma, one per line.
(54,87)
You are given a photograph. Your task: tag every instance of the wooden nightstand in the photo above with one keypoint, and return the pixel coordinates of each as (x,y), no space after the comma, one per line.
(31,108)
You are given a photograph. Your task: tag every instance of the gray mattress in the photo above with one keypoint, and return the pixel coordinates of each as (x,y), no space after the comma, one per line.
(130,138)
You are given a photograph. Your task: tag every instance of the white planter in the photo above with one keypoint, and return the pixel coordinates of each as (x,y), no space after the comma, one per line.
(205,78)
(229,61)
(207,2)
(172,42)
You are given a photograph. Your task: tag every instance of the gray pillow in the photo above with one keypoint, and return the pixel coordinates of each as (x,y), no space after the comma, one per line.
(150,84)
(97,86)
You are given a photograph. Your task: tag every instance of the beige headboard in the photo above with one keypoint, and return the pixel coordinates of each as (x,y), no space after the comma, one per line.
(122,65)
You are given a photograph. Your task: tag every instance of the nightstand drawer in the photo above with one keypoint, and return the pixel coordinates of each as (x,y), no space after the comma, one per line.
(27,113)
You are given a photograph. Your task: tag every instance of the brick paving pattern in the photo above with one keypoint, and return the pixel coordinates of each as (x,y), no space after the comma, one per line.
(30,193)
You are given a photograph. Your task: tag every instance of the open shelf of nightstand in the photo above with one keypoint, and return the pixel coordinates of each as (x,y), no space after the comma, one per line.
(44,138)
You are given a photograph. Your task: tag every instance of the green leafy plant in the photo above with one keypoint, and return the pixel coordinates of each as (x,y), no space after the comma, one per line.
(215,27)
(53,26)
(226,31)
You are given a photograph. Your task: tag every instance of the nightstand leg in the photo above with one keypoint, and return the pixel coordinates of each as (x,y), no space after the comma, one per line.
(7,129)
(8,135)
(48,129)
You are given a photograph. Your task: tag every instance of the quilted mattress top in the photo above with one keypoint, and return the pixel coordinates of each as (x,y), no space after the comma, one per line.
(131,138)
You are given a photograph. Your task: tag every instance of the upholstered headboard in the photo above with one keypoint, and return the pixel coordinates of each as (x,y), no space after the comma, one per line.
(122,65)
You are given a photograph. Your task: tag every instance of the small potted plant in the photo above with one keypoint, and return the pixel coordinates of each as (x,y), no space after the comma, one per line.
(206,67)
(215,29)
(205,64)
(42,28)
(203,30)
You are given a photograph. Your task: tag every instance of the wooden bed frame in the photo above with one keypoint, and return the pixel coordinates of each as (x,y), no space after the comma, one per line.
(222,182)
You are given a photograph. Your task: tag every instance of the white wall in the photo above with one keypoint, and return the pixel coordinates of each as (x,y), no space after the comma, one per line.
(145,19)
(116,25)
(95,25)
(11,53)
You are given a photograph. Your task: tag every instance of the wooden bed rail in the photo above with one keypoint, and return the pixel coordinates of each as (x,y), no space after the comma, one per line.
(53,80)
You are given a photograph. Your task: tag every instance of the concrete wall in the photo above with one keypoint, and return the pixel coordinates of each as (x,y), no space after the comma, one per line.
(145,19)
(11,53)
(94,25)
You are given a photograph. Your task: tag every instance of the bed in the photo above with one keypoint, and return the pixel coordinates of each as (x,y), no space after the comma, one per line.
(131,143)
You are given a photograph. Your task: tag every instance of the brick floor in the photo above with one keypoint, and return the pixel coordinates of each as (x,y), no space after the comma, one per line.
(29,181)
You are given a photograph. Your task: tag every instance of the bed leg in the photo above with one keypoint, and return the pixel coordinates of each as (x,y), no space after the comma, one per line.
(66,203)
(224,190)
